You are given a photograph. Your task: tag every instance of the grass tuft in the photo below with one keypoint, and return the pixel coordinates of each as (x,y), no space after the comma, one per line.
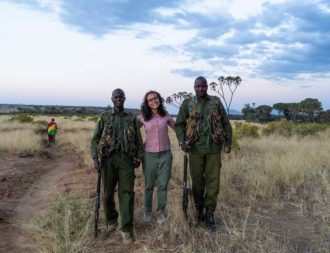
(64,227)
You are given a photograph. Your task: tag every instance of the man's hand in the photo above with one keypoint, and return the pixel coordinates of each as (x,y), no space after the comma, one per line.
(97,165)
(227,148)
(136,162)
(185,147)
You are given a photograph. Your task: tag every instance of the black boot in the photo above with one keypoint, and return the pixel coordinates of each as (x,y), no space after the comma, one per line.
(200,214)
(210,221)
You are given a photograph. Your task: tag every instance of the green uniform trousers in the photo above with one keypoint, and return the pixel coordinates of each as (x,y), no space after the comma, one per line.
(118,168)
(157,170)
(205,175)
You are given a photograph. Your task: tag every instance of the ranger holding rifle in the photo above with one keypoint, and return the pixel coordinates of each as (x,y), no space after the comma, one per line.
(116,149)
(203,130)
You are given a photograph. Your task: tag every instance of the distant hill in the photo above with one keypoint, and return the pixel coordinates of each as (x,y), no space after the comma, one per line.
(69,110)
(57,109)
(234,112)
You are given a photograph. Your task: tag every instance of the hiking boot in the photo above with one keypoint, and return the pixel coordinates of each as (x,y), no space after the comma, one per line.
(209,219)
(127,238)
(200,214)
(147,216)
(160,217)
(112,227)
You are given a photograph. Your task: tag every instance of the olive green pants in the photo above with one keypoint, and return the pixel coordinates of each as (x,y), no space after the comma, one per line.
(157,170)
(205,175)
(118,168)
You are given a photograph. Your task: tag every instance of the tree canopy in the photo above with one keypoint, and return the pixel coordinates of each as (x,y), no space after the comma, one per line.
(176,99)
(305,110)
(232,82)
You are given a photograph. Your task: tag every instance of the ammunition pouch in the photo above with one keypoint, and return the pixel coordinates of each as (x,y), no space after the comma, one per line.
(217,133)
(106,141)
(191,131)
(130,141)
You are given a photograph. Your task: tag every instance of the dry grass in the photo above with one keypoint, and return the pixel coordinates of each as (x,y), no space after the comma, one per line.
(18,137)
(274,197)
(64,227)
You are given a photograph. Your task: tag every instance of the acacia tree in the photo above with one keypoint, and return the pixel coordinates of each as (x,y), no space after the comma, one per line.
(280,107)
(249,112)
(232,82)
(263,112)
(177,98)
(304,110)
(309,107)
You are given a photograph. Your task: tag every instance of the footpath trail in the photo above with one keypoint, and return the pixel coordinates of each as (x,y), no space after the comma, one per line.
(28,184)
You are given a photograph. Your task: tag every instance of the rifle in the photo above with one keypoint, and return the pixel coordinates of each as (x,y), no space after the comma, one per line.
(186,190)
(97,203)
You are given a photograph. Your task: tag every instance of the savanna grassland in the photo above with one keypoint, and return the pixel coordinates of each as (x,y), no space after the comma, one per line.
(274,194)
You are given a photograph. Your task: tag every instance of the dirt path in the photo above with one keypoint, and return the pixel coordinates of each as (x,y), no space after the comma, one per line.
(29,182)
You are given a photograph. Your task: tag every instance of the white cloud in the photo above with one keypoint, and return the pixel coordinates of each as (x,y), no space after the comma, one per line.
(45,61)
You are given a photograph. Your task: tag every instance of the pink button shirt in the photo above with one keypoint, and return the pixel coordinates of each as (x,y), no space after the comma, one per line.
(157,139)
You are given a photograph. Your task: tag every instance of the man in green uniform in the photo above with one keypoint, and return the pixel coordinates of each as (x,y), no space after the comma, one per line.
(203,129)
(116,149)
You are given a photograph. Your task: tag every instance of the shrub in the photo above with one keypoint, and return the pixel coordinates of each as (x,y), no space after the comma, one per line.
(22,117)
(309,129)
(282,127)
(323,117)
(93,118)
(286,128)
(41,122)
(80,118)
(234,142)
(65,226)
(246,130)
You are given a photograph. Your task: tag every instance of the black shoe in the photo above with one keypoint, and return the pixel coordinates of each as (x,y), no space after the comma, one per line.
(200,214)
(209,220)
(200,217)
(210,224)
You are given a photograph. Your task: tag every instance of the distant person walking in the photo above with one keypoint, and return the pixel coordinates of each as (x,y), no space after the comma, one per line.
(203,129)
(157,158)
(116,149)
(52,131)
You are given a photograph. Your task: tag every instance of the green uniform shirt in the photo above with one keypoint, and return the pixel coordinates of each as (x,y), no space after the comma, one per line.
(204,144)
(119,123)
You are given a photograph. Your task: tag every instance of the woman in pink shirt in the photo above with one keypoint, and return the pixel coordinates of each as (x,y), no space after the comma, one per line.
(157,158)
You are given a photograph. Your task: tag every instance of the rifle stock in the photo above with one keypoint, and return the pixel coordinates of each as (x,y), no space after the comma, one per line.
(97,203)
(185,199)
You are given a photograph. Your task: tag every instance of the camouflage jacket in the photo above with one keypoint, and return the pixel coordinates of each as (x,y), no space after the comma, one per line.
(114,133)
(204,126)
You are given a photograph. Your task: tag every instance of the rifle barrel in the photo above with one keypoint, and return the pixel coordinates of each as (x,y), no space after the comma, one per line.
(185,197)
(97,203)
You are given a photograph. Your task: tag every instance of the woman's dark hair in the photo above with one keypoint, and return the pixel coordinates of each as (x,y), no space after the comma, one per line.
(145,109)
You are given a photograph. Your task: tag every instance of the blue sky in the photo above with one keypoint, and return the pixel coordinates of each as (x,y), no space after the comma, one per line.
(75,52)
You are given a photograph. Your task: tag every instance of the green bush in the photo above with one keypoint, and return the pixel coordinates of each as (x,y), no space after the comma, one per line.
(65,227)
(323,117)
(93,118)
(282,127)
(246,130)
(234,142)
(22,117)
(286,128)
(80,118)
(309,129)
(41,122)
